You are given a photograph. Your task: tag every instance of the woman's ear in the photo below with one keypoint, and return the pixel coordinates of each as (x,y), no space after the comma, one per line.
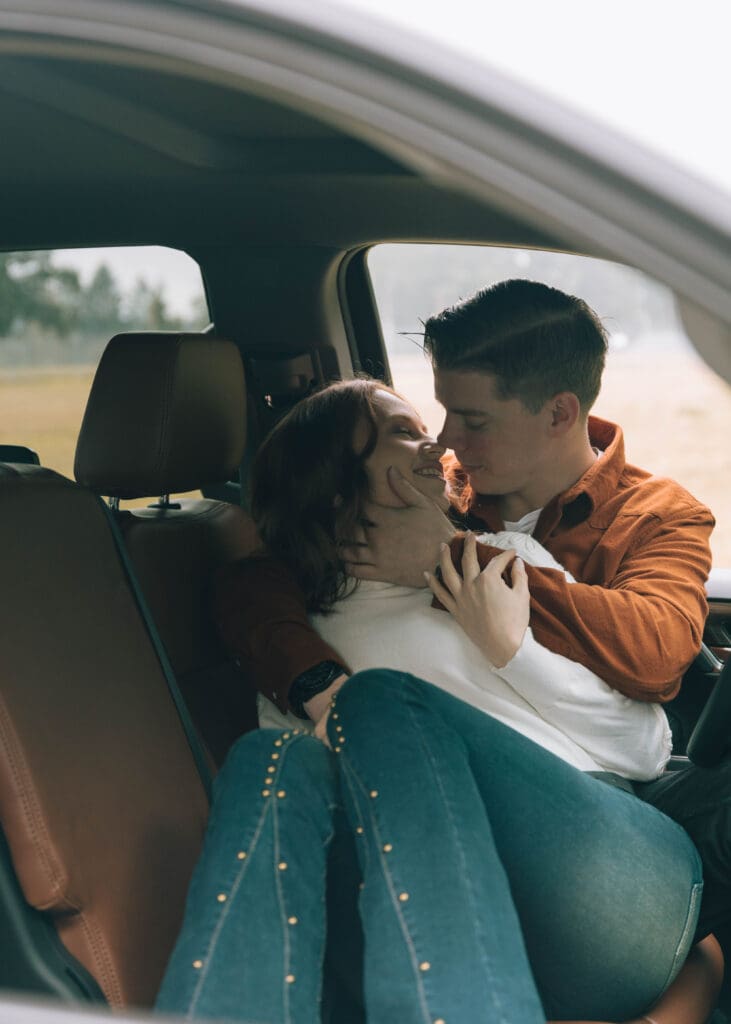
(337,501)
(565,411)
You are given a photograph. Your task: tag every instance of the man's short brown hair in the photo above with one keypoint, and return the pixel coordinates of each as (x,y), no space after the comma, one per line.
(535,340)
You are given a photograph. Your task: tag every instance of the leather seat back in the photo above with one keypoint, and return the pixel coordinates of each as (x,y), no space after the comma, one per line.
(100,800)
(167,413)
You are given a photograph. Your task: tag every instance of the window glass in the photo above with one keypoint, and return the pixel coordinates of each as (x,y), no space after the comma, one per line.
(58,310)
(674,410)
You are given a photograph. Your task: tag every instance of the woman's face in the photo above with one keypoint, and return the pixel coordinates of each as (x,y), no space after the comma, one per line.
(404,444)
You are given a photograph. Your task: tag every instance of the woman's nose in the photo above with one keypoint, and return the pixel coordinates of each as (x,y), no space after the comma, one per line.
(431,447)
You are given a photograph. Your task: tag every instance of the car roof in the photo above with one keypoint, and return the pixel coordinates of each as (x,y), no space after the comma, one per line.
(265,123)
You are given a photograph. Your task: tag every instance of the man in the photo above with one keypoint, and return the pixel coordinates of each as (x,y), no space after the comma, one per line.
(517,369)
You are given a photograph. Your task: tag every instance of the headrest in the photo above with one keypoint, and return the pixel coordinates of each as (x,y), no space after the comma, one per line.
(166,413)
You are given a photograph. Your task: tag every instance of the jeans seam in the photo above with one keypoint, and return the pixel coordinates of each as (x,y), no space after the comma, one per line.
(465,873)
(695,897)
(224,913)
(349,769)
(688,928)
(366,855)
(287,951)
(225,907)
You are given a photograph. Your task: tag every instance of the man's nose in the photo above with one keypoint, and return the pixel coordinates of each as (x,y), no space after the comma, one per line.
(447,436)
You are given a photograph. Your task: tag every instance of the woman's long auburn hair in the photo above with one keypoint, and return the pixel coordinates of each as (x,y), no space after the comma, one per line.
(310,486)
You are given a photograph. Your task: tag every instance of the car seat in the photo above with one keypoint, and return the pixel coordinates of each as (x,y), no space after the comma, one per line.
(102,804)
(167,414)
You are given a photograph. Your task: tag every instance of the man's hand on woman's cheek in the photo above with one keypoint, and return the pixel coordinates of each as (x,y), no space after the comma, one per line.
(399,544)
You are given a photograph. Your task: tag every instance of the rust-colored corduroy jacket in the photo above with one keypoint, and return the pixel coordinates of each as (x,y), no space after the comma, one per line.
(636,544)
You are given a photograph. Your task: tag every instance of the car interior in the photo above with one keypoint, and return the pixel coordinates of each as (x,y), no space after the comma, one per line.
(118,699)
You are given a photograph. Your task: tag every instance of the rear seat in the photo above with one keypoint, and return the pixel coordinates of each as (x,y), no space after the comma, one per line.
(101,804)
(167,413)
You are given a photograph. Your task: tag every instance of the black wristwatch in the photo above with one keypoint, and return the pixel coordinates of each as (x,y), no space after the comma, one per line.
(311,682)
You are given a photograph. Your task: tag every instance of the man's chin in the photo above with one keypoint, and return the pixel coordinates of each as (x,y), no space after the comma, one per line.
(480,481)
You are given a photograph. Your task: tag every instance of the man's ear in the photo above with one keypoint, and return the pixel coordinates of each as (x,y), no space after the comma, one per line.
(565,410)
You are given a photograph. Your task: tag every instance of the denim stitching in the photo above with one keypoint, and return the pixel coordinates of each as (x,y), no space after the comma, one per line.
(225,907)
(348,768)
(366,856)
(224,913)
(283,918)
(695,896)
(465,873)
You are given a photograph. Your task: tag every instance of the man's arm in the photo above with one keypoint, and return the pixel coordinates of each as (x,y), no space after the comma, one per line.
(262,617)
(640,631)
(493,611)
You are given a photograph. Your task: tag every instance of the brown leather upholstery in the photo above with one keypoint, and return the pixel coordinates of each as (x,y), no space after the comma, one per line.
(100,800)
(176,553)
(167,412)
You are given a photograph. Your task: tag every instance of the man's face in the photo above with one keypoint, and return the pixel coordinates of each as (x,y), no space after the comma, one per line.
(501,444)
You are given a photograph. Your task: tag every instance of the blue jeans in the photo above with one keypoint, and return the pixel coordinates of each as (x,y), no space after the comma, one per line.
(500,884)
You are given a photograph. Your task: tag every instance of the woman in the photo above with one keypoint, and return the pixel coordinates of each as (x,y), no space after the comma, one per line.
(501,881)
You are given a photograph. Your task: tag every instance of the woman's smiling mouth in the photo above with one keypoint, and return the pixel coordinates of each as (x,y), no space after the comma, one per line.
(431,471)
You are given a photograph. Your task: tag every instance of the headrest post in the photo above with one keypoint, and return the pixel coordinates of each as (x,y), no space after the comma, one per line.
(114,504)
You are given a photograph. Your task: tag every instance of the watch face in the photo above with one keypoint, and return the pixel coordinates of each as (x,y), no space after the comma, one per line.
(320,677)
(311,682)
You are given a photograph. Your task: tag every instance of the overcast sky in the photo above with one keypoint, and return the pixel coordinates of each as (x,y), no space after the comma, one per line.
(658,70)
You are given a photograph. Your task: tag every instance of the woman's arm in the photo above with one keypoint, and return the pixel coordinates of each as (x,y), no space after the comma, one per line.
(692,997)
(262,618)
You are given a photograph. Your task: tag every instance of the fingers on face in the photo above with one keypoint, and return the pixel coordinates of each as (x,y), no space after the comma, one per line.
(404,489)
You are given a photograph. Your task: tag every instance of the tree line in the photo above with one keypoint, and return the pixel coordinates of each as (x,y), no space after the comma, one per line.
(42,303)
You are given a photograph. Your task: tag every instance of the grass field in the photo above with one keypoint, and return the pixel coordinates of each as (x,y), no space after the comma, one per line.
(676,418)
(43,409)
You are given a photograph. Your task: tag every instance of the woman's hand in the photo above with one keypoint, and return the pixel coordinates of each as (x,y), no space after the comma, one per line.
(492,614)
(319,707)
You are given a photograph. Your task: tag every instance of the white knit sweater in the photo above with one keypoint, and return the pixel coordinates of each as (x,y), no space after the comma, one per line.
(558,703)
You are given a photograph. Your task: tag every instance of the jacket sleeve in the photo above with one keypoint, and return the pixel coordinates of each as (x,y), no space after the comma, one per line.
(262,618)
(641,629)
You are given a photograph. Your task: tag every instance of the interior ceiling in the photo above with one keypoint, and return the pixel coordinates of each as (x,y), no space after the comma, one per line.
(103,154)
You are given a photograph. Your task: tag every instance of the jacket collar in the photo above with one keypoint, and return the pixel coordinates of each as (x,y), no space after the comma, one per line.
(589,493)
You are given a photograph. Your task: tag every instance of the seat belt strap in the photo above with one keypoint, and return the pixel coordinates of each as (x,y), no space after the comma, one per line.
(186,721)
